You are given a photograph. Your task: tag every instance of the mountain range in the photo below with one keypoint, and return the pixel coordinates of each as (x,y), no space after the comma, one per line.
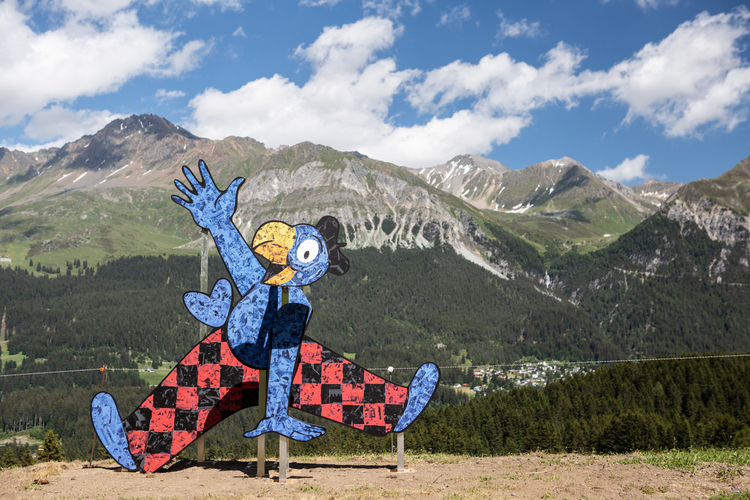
(552,201)
(107,195)
(97,196)
(659,268)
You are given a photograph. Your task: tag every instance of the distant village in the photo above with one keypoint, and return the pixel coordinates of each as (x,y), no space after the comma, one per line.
(535,374)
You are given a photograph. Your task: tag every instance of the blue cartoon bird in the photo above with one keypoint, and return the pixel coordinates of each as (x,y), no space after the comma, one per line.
(262,333)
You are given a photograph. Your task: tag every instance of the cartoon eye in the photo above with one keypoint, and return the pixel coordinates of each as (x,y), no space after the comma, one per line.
(308,250)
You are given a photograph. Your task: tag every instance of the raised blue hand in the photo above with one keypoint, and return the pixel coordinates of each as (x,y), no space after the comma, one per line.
(208,205)
(212,209)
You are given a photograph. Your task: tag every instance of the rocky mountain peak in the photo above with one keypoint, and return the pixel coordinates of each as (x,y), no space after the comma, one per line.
(474,161)
(564,162)
(120,140)
(465,176)
(731,189)
(657,192)
(144,124)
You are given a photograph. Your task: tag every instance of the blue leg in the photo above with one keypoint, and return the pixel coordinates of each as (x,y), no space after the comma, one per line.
(420,392)
(108,426)
(289,325)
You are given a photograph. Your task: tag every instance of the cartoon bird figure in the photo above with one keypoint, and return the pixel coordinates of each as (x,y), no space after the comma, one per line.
(262,333)
(220,375)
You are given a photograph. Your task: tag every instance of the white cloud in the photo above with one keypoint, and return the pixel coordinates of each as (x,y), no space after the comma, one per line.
(223,4)
(185,59)
(457,15)
(345,103)
(499,84)
(693,79)
(162,95)
(508,29)
(57,125)
(89,9)
(653,4)
(392,9)
(318,3)
(239,32)
(81,57)
(650,4)
(630,169)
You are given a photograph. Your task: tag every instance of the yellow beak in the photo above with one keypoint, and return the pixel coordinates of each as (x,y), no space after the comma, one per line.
(272,241)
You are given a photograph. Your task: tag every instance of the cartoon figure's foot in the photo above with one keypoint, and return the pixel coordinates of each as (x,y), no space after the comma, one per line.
(211,310)
(108,426)
(420,391)
(287,426)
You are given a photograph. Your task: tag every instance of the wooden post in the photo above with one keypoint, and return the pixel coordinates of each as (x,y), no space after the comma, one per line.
(262,387)
(93,443)
(203,331)
(400,444)
(390,378)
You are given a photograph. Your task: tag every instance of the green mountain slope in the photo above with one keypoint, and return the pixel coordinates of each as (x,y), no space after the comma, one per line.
(108,195)
(678,282)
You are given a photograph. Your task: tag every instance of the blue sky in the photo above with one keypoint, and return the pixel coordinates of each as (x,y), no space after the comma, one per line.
(633,89)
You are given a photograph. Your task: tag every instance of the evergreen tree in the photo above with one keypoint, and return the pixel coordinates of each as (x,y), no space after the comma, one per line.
(51,450)
(25,457)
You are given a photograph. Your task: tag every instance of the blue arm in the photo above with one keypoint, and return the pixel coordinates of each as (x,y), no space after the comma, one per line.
(212,209)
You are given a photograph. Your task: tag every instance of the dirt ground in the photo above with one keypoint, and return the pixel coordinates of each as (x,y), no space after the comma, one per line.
(442,477)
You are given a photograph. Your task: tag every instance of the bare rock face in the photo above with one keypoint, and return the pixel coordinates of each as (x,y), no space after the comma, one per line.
(376,208)
(721,207)
(719,222)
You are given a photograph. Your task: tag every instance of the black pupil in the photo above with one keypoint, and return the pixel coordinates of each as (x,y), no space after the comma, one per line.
(307,254)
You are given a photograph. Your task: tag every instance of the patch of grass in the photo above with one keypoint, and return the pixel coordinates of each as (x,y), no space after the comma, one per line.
(156,376)
(729,473)
(32,436)
(731,496)
(690,459)
(42,472)
(5,356)
(311,488)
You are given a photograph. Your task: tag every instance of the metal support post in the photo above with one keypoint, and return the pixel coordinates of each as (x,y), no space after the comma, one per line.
(283,458)
(262,387)
(203,332)
(400,445)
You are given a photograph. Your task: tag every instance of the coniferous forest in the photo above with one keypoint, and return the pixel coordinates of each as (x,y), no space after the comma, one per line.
(397,308)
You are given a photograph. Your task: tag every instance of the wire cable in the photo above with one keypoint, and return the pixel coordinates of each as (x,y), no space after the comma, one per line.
(465,367)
